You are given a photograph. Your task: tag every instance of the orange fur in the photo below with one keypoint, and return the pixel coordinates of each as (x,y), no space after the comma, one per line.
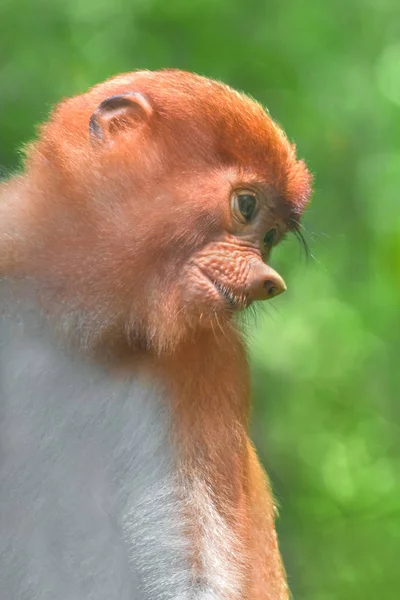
(119,229)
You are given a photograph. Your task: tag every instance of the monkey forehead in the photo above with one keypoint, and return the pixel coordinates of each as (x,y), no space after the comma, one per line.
(195,119)
(216,122)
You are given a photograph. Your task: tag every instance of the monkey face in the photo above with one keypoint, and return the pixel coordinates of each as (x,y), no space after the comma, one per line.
(228,272)
(165,193)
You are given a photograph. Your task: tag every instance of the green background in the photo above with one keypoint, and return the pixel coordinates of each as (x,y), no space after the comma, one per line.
(326,353)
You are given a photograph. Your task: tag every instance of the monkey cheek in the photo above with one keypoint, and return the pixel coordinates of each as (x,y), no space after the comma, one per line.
(205,300)
(201,300)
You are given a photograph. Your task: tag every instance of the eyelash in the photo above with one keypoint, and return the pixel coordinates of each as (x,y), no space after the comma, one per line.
(268,243)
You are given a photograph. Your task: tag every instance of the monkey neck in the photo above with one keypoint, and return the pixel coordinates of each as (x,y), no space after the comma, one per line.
(207,384)
(208,381)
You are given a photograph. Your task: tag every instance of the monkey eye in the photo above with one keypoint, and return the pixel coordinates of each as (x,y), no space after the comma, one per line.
(244,205)
(270,237)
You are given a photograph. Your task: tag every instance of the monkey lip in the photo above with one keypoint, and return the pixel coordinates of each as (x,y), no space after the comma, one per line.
(231,300)
(234,302)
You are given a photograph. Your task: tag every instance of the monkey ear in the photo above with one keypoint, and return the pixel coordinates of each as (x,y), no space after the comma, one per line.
(118,113)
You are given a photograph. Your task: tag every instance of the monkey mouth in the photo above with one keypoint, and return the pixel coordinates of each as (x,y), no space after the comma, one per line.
(235,302)
(232,301)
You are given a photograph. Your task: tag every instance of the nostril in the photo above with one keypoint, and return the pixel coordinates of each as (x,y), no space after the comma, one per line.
(270,287)
(265,283)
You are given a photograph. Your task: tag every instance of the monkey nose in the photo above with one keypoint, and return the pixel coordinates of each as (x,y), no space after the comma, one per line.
(264,282)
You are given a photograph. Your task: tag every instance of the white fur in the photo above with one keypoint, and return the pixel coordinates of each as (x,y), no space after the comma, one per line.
(221,564)
(91,507)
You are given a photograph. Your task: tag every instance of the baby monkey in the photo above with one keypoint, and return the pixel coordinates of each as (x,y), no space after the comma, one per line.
(142,224)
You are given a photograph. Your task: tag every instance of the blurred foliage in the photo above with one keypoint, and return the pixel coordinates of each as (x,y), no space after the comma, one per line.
(326,354)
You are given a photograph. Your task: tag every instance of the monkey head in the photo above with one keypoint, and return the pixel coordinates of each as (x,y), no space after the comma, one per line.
(162,195)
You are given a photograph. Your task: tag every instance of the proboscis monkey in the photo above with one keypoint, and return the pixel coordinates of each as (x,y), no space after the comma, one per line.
(141,225)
